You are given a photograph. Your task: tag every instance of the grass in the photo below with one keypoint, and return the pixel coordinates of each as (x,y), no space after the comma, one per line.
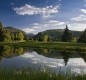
(32,74)
(49,45)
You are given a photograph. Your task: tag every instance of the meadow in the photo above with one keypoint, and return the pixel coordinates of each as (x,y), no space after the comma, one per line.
(49,45)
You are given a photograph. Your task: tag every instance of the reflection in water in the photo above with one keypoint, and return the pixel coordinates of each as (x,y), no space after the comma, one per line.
(10,51)
(53,59)
(65,55)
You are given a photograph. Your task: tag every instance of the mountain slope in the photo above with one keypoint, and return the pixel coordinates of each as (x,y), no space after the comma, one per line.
(56,34)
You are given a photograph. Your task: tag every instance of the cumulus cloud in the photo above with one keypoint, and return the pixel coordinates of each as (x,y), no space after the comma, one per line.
(83,10)
(56,23)
(28,30)
(51,24)
(80,18)
(37,27)
(79,22)
(77,26)
(45,12)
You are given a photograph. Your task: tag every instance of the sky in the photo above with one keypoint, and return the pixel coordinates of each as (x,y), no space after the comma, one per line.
(33,16)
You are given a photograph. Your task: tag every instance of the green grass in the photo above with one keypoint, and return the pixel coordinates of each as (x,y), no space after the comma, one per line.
(49,45)
(32,74)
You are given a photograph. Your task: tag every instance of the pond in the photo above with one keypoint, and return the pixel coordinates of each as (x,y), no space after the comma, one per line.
(56,60)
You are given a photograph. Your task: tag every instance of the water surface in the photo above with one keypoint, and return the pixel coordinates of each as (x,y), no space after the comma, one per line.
(19,57)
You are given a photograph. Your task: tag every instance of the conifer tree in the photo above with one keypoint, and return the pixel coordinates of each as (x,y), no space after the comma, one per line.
(67,35)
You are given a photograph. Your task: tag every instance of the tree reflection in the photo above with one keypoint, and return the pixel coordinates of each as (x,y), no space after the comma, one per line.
(10,51)
(66,55)
(83,54)
(51,53)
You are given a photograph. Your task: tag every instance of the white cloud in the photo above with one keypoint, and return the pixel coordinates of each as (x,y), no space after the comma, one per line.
(28,30)
(83,10)
(77,26)
(56,23)
(37,27)
(35,24)
(51,24)
(79,22)
(80,18)
(45,12)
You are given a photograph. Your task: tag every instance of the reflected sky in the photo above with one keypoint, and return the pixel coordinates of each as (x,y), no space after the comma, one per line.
(33,59)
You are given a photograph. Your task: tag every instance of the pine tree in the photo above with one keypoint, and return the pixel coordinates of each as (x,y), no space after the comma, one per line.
(67,35)
(1,32)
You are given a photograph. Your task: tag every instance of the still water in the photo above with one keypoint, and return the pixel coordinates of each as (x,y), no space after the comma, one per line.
(19,57)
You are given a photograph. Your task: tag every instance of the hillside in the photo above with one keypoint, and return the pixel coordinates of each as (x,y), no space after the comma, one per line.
(14,31)
(56,34)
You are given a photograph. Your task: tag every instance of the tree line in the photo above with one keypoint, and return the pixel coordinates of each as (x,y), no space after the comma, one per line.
(18,35)
(8,35)
(66,36)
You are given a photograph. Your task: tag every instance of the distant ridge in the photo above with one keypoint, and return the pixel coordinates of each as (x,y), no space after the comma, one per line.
(56,34)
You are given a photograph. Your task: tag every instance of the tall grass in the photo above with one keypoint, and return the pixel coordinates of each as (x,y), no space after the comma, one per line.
(32,74)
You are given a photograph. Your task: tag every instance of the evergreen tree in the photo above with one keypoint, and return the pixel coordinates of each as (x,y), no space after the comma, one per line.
(1,32)
(67,35)
(1,26)
(82,38)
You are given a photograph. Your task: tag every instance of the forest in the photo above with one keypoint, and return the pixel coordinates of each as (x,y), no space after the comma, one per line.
(8,34)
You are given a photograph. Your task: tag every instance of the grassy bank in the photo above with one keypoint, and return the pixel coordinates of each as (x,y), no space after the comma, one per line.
(49,45)
(31,74)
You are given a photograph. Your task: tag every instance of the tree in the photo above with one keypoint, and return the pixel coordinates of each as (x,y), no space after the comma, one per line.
(12,36)
(45,38)
(19,36)
(82,38)
(1,26)
(1,32)
(6,35)
(67,35)
(39,36)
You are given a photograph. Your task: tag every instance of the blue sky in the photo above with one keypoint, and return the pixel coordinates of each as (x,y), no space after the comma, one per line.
(33,16)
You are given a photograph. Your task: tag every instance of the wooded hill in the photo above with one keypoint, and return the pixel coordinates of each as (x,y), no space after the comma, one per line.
(11,34)
(56,34)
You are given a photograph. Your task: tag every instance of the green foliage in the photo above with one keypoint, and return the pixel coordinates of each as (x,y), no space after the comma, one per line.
(45,38)
(10,51)
(56,34)
(15,33)
(19,36)
(1,32)
(82,38)
(10,34)
(6,35)
(1,26)
(67,35)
